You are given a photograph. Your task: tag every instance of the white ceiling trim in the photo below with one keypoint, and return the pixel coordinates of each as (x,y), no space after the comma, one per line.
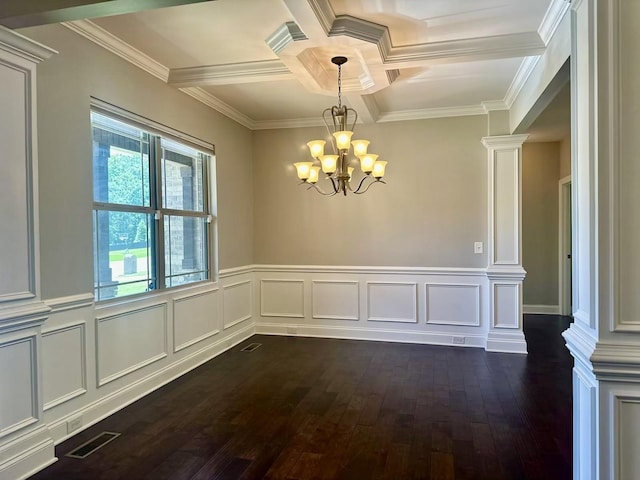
(218,105)
(234,73)
(552,19)
(520,79)
(105,39)
(288,123)
(493,105)
(424,113)
(481,48)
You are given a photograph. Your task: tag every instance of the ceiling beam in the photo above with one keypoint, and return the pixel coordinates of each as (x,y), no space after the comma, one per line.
(248,72)
(21,13)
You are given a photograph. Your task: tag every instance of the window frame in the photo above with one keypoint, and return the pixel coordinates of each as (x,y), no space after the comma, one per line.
(155,210)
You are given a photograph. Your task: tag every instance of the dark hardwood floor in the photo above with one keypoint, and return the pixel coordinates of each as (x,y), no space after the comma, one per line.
(303,408)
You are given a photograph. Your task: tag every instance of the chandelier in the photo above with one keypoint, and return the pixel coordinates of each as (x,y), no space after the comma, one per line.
(336,166)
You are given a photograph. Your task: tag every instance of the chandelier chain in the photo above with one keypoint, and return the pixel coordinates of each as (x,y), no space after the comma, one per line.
(339,86)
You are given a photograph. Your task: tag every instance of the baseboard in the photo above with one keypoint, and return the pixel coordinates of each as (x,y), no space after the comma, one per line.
(541,309)
(378,335)
(110,404)
(27,454)
(506,342)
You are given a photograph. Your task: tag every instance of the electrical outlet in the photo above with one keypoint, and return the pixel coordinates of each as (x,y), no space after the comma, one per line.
(478,247)
(74,424)
(458,340)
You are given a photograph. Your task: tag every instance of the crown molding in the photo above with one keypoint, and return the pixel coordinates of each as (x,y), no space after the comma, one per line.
(552,19)
(520,79)
(425,113)
(288,123)
(24,47)
(493,105)
(231,73)
(217,104)
(288,33)
(107,40)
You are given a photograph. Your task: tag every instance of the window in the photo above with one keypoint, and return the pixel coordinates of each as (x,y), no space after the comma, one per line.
(152,222)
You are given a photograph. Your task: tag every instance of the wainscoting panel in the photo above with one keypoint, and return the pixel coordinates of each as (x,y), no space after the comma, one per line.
(128,341)
(627,443)
(507,306)
(195,318)
(282,298)
(392,302)
(237,303)
(18,384)
(453,304)
(335,300)
(63,364)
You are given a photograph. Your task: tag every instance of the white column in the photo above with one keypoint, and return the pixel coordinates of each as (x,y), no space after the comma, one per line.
(605,337)
(504,247)
(25,442)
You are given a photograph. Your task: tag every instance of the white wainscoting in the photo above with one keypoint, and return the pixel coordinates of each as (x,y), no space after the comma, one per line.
(237,303)
(335,299)
(374,303)
(64,365)
(282,298)
(453,304)
(195,318)
(18,384)
(128,341)
(541,309)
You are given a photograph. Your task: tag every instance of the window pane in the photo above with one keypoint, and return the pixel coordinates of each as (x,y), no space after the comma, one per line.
(182,177)
(185,250)
(120,162)
(123,253)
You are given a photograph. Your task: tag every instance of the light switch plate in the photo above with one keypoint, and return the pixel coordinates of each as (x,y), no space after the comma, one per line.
(478,247)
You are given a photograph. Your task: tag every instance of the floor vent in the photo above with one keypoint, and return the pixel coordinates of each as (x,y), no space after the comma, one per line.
(251,347)
(87,448)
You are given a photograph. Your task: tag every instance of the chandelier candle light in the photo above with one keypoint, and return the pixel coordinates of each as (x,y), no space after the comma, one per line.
(336,166)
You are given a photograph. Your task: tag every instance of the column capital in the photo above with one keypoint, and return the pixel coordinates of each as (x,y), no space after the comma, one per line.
(504,141)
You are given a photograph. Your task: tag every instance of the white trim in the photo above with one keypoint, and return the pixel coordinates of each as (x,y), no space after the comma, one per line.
(414,303)
(72,302)
(193,341)
(335,317)
(552,19)
(280,314)
(23,47)
(493,105)
(225,326)
(230,272)
(227,74)
(287,123)
(520,79)
(101,381)
(475,286)
(214,102)
(371,334)
(110,42)
(564,307)
(453,271)
(420,114)
(541,309)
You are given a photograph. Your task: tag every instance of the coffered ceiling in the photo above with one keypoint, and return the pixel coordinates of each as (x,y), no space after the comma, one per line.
(266,63)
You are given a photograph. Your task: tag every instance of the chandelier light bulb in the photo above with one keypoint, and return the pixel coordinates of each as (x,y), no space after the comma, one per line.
(343,139)
(313,175)
(316,148)
(329,163)
(367,162)
(379,168)
(360,147)
(304,170)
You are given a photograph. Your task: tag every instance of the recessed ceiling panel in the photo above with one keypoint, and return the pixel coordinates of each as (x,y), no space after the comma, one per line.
(449,85)
(209,33)
(273,100)
(418,21)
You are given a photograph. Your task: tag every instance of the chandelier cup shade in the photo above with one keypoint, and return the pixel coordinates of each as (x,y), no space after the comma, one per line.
(336,165)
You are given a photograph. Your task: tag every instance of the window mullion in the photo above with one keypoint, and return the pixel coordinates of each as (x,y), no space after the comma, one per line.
(158,244)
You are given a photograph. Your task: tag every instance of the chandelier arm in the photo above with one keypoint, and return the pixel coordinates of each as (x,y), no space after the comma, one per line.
(320,191)
(358,192)
(353,125)
(334,185)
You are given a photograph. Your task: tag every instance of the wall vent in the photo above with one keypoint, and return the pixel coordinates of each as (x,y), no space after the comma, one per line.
(251,347)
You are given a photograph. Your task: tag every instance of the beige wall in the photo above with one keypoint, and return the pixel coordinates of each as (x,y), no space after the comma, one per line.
(540,175)
(429,214)
(65,84)
(565,157)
